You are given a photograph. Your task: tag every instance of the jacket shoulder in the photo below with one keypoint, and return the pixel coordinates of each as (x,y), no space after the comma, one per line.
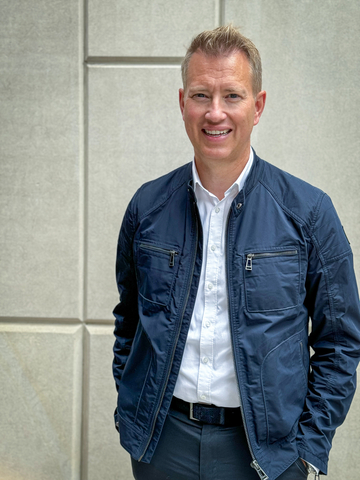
(309,207)
(155,192)
(299,198)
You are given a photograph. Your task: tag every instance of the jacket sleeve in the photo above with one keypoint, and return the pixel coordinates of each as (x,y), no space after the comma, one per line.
(126,312)
(333,303)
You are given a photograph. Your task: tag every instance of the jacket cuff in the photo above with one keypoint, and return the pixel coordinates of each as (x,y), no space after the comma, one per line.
(311,459)
(311,467)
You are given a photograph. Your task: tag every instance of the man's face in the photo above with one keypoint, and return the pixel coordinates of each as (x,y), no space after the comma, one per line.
(219,108)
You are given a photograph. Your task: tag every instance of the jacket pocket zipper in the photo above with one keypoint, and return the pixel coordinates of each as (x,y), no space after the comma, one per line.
(171,253)
(251,256)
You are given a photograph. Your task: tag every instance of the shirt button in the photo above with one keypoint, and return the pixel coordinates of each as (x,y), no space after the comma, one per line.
(203,397)
(207,324)
(217,209)
(205,359)
(213,248)
(210,286)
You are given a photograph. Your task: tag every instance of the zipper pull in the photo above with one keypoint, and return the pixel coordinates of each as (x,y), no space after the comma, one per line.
(249,258)
(254,464)
(172,258)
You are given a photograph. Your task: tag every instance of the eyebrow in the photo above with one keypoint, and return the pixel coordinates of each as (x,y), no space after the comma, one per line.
(198,87)
(235,90)
(229,89)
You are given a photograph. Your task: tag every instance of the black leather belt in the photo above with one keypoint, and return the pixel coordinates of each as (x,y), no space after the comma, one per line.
(209,414)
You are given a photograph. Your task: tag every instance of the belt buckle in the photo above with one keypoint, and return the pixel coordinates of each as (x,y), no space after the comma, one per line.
(191,416)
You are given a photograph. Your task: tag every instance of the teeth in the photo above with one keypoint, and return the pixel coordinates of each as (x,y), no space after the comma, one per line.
(217,132)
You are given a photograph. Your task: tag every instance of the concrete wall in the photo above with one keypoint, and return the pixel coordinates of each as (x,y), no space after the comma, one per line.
(89,112)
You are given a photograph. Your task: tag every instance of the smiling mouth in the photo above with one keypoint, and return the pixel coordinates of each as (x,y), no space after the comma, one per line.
(216,133)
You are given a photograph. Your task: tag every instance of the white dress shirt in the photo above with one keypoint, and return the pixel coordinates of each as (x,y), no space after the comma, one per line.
(207,372)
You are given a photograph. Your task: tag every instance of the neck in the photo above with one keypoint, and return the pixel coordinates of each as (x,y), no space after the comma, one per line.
(218,176)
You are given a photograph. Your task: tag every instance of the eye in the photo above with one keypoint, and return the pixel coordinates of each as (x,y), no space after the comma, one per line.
(199,95)
(233,95)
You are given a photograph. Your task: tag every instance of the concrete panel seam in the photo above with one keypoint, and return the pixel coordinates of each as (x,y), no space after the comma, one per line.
(86,27)
(85,405)
(82,163)
(54,321)
(90,321)
(222,4)
(85,173)
(83,140)
(133,61)
(40,321)
(78,377)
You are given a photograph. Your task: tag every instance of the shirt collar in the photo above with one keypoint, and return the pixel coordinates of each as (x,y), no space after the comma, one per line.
(238,184)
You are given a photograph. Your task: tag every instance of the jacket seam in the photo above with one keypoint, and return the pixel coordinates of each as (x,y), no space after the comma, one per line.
(338,257)
(312,234)
(143,387)
(132,426)
(300,220)
(317,210)
(159,204)
(332,310)
(296,334)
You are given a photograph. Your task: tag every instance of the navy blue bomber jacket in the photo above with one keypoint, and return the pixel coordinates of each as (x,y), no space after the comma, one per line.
(288,263)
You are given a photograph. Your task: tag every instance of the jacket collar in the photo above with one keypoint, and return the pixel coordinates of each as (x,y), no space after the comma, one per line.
(251,180)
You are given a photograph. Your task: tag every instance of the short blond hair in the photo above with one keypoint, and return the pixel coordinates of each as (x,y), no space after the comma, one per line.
(224,41)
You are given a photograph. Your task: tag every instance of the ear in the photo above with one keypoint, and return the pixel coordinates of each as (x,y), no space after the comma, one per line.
(259,106)
(181,101)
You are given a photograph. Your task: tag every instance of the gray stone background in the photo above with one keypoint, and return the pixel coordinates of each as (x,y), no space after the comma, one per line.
(89,111)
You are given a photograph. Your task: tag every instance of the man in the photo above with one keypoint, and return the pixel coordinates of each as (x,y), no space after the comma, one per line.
(221,264)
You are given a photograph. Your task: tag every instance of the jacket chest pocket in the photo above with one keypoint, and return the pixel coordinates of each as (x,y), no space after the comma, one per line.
(155,270)
(272,279)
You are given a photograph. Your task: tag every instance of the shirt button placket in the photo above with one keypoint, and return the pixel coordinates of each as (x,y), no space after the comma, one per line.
(211,287)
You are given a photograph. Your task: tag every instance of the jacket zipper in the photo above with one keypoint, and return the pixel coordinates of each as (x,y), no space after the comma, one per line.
(177,338)
(251,256)
(254,464)
(171,253)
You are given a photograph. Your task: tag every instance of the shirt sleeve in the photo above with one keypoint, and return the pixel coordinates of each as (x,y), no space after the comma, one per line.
(333,304)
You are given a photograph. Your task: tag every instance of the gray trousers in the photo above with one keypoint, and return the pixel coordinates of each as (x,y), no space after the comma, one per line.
(188,450)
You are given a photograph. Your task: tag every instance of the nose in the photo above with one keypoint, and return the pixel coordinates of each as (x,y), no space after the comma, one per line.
(215,113)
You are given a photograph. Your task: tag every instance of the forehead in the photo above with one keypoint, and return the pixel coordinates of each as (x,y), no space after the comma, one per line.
(233,67)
